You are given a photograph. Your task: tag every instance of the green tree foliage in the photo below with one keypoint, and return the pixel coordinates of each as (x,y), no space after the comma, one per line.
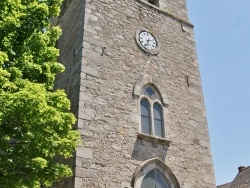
(35,122)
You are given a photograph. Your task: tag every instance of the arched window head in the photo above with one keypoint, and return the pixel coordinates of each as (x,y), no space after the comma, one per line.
(151,111)
(154,179)
(151,92)
(154,173)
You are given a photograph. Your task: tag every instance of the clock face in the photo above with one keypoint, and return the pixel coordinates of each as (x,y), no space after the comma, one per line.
(147,40)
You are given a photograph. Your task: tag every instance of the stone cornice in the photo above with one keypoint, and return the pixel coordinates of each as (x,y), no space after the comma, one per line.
(153,139)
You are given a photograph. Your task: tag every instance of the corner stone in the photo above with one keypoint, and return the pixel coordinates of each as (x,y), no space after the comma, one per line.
(84,152)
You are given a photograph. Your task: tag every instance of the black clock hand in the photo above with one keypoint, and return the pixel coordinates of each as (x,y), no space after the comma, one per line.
(147,42)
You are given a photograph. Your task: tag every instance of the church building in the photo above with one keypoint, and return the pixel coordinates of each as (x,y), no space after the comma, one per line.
(133,79)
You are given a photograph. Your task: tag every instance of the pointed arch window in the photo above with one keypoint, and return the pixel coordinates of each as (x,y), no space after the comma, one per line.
(151,112)
(154,173)
(154,179)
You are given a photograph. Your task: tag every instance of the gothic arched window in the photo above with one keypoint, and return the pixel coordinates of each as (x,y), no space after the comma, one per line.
(154,179)
(151,111)
(154,173)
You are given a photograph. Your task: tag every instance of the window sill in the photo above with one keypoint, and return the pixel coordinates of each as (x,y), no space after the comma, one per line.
(154,139)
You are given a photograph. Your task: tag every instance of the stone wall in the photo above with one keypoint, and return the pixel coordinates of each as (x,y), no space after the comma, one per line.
(70,45)
(71,21)
(103,64)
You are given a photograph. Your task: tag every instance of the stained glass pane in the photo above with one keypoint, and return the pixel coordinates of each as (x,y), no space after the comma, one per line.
(145,116)
(160,181)
(145,108)
(154,179)
(149,91)
(149,180)
(145,125)
(157,111)
(158,128)
(158,124)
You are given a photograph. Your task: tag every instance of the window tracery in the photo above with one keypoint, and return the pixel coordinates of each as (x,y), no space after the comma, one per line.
(154,173)
(154,179)
(151,111)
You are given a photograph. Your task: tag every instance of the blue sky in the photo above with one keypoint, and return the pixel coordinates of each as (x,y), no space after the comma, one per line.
(222,34)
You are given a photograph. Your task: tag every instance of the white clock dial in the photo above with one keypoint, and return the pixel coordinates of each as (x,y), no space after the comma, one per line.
(147,40)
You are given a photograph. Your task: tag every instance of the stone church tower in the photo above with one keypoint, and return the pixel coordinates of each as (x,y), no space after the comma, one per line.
(133,78)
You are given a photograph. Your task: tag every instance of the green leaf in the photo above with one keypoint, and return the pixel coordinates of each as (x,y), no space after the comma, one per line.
(35,122)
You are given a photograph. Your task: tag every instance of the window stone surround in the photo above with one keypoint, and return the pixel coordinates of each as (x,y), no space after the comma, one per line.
(151,103)
(155,140)
(160,166)
(164,103)
(148,79)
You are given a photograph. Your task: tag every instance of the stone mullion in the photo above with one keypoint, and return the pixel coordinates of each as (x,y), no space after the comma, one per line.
(152,118)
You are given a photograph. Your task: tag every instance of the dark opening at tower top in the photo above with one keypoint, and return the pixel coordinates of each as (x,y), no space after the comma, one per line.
(154,2)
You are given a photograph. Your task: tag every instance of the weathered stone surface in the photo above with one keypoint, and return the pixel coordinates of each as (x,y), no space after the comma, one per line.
(85,173)
(90,70)
(86,113)
(84,152)
(78,182)
(105,71)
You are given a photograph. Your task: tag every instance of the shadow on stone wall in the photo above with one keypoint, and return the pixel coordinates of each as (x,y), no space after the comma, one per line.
(66,182)
(147,149)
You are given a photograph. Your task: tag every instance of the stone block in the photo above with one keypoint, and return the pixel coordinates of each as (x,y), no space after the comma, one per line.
(90,70)
(78,182)
(90,84)
(84,152)
(86,114)
(85,173)
(92,55)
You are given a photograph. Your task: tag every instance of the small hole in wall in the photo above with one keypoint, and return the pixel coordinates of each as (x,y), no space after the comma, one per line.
(154,2)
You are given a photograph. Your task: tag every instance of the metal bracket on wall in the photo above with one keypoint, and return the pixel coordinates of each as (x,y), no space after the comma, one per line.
(103,48)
